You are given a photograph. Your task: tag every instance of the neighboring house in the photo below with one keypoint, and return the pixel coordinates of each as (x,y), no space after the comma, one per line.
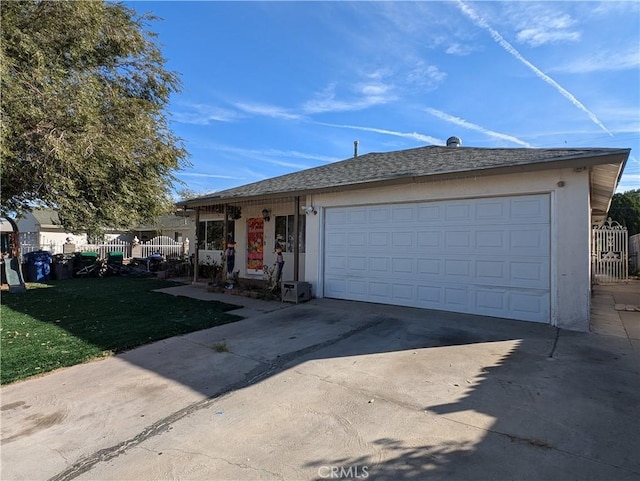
(178,228)
(6,231)
(496,232)
(41,229)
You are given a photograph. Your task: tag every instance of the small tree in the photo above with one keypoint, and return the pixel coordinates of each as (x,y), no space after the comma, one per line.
(83,126)
(625,209)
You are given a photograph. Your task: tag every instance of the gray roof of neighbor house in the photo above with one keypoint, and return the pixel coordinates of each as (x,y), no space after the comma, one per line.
(419,164)
(47,218)
(164,222)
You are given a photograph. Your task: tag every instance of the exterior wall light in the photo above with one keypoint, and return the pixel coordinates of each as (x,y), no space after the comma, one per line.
(266,215)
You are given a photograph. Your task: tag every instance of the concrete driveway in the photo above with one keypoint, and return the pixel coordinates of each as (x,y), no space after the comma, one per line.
(337,390)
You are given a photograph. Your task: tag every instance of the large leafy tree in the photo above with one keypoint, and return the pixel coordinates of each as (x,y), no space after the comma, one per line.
(83,125)
(625,209)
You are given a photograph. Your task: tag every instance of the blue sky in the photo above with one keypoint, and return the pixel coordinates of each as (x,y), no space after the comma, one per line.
(271,88)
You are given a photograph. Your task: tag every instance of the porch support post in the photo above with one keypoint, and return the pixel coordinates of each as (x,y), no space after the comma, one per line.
(197,247)
(225,227)
(225,239)
(296,237)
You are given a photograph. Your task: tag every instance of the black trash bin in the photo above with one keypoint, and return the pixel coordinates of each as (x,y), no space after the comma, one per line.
(38,266)
(62,266)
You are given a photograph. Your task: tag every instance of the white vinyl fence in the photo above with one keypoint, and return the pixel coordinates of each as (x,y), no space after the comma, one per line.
(31,241)
(166,246)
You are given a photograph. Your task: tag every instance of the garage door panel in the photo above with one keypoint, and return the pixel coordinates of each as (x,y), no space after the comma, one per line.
(357,287)
(403,266)
(402,215)
(457,212)
(529,305)
(336,264)
(429,240)
(403,240)
(429,296)
(380,240)
(429,214)
(491,271)
(491,211)
(458,239)
(403,292)
(335,217)
(528,241)
(532,208)
(357,265)
(491,240)
(529,274)
(491,302)
(356,240)
(357,216)
(457,298)
(380,265)
(457,269)
(485,256)
(429,267)
(379,215)
(336,241)
(336,287)
(381,291)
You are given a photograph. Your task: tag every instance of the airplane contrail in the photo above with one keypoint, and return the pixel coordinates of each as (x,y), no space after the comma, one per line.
(482,23)
(410,135)
(468,125)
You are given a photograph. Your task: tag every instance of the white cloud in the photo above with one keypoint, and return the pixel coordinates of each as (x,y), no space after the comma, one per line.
(460,49)
(271,153)
(368,95)
(266,110)
(540,36)
(203,114)
(482,23)
(374,90)
(426,75)
(603,61)
(541,25)
(468,125)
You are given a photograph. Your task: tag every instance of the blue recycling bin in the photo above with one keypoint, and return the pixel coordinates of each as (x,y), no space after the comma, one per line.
(38,266)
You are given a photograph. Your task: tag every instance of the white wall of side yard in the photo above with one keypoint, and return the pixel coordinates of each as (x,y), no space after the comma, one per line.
(570,228)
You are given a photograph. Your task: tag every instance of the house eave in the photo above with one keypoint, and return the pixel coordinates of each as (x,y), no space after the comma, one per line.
(608,166)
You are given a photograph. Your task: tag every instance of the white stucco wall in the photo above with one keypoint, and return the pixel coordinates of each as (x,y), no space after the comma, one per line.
(570,228)
(269,255)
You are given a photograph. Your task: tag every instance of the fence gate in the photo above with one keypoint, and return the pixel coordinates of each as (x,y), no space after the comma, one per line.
(609,254)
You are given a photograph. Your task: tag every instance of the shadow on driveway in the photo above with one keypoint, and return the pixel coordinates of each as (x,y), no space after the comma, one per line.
(405,393)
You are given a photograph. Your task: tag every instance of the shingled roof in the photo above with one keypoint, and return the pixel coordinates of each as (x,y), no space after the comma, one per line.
(411,165)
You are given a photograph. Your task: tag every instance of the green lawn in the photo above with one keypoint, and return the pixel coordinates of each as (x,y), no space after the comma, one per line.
(63,323)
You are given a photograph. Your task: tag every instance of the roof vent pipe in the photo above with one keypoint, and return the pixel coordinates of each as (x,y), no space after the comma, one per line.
(355,148)
(454,142)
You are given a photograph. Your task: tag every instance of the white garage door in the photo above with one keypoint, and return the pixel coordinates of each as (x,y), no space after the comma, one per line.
(480,256)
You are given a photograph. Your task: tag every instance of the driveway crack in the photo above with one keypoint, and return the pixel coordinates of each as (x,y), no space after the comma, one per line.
(267,369)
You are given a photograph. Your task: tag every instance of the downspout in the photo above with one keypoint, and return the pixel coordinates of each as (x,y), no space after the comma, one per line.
(197,250)
(296,242)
